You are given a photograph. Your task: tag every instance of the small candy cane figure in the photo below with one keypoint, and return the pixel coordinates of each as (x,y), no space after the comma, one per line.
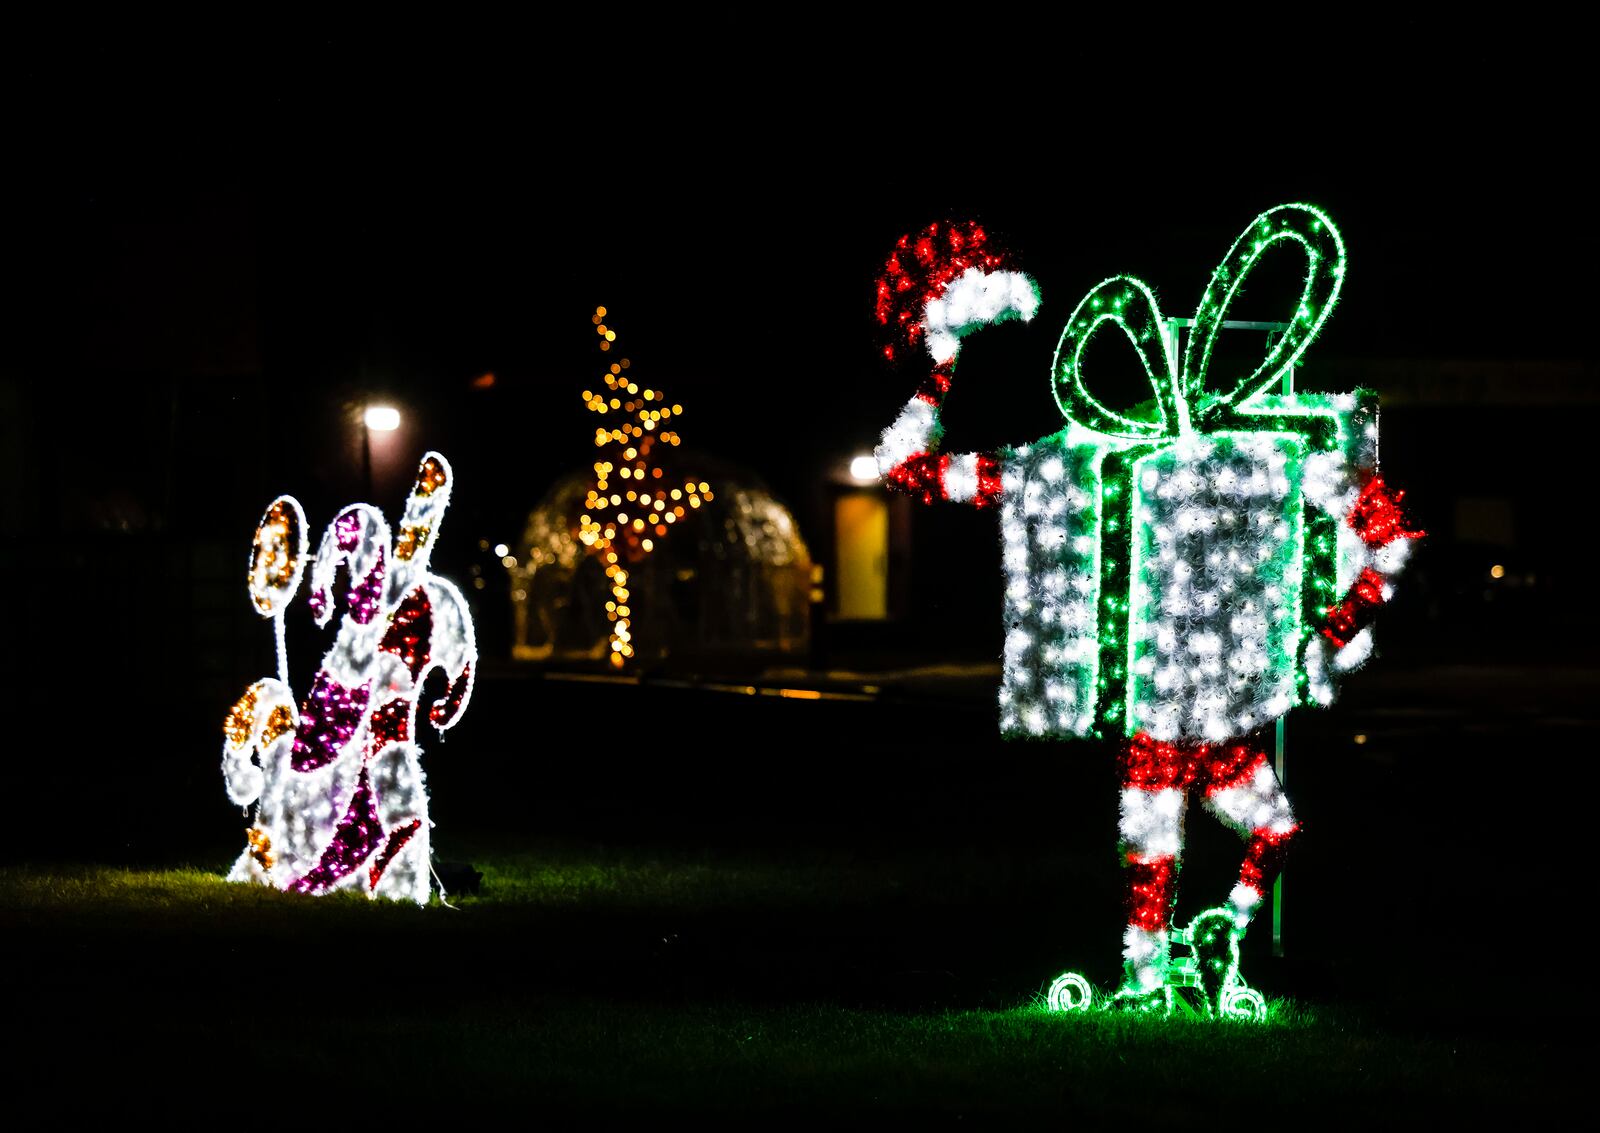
(1177,578)
(337,784)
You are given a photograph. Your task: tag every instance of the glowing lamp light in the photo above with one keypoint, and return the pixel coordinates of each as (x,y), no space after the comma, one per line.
(501,550)
(864,469)
(1173,577)
(382,418)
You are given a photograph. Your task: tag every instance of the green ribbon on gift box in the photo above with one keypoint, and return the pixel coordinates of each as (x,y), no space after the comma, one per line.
(1184,406)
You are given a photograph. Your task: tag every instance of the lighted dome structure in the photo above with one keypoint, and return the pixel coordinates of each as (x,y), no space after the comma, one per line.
(732,581)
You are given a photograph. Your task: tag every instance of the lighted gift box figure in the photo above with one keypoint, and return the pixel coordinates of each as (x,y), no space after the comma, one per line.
(336,782)
(1177,578)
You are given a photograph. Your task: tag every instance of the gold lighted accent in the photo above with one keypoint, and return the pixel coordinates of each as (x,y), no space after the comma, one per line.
(272,564)
(241,719)
(279,721)
(413,537)
(261,847)
(430,477)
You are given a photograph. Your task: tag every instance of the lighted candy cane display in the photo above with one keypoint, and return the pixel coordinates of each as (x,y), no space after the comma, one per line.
(339,797)
(1177,578)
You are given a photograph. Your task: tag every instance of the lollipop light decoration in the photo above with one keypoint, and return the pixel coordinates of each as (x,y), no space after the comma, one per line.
(333,784)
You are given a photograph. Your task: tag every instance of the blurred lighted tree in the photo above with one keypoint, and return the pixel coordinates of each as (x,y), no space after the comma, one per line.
(632,503)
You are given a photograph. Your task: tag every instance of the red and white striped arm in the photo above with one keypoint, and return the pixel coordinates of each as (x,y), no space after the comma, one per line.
(1386,540)
(1376,517)
(939,286)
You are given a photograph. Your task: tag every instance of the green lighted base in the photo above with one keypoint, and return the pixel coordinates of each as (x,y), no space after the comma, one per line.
(1072,992)
(1069,992)
(1212,962)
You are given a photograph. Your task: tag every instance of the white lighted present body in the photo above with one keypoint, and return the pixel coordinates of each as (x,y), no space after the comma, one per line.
(1175,589)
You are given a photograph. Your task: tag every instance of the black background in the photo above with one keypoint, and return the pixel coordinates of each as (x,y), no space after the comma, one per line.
(219,245)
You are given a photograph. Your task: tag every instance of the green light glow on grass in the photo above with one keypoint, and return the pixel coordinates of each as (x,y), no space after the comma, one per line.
(1206,983)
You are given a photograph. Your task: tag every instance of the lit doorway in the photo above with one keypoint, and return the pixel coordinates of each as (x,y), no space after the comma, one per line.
(861,554)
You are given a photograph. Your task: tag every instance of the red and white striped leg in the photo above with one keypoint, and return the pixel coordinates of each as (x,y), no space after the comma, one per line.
(1248,798)
(1151,828)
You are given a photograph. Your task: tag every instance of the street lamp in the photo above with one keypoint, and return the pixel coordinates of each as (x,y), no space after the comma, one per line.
(377,419)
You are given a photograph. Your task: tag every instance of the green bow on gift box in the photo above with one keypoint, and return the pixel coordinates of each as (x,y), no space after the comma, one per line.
(1181,399)
(1185,415)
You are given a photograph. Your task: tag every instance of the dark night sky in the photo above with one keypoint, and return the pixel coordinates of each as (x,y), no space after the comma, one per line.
(215,246)
(303,219)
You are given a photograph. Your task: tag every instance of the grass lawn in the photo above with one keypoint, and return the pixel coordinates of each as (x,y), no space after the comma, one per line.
(598,979)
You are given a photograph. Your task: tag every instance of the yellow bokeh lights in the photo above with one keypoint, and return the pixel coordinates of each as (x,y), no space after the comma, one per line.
(619,536)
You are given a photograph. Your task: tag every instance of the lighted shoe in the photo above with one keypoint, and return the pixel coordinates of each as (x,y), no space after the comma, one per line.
(1212,967)
(1139,1000)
